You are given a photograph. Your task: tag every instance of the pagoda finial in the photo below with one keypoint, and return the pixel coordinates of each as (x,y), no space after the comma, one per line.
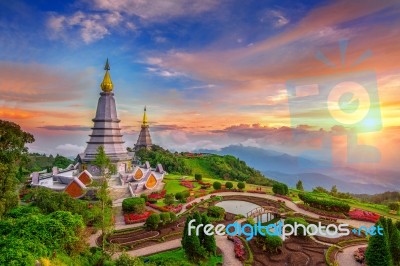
(107,85)
(107,65)
(144,117)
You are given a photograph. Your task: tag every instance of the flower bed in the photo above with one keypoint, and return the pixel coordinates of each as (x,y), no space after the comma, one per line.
(189,199)
(322,212)
(187,184)
(281,201)
(361,215)
(157,195)
(174,209)
(256,191)
(283,197)
(131,218)
(239,249)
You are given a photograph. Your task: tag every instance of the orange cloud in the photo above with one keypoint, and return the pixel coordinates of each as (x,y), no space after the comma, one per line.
(35,83)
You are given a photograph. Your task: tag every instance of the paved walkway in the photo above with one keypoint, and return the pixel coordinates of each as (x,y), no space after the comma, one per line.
(228,253)
(345,258)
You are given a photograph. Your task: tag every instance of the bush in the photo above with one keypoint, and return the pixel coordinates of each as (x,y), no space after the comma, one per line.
(153,221)
(324,204)
(169,199)
(217,185)
(172,216)
(241,185)
(165,217)
(216,212)
(144,196)
(272,243)
(394,206)
(179,196)
(151,200)
(126,260)
(185,194)
(280,188)
(198,177)
(228,185)
(136,205)
(250,220)
(300,221)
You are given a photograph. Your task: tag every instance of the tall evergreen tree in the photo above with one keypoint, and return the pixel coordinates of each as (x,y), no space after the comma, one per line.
(208,241)
(198,219)
(106,170)
(191,244)
(378,252)
(185,232)
(12,152)
(299,185)
(395,246)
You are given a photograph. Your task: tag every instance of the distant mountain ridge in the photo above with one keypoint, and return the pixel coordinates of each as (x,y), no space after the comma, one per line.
(285,168)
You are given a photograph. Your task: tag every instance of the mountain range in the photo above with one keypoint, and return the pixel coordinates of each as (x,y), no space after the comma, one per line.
(289,169)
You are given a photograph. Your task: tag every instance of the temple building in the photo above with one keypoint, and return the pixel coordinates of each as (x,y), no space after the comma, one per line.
(130,181)
(106,131)
(144,139)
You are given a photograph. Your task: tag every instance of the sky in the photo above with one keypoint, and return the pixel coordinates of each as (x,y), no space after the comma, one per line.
(284,75)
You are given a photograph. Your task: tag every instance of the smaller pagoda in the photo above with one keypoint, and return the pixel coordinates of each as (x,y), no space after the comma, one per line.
(144,140)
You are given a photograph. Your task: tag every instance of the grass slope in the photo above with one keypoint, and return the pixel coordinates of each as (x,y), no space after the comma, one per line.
(177,257)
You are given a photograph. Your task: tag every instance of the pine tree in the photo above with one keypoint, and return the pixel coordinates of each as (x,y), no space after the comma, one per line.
(185,232)
(107,169)
(378,252)
(198,219)
(208,241)
(191,243)
(299,185)
(395,246)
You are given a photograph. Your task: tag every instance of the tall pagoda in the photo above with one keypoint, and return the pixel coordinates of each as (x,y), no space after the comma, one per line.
(106,131)
(144,140)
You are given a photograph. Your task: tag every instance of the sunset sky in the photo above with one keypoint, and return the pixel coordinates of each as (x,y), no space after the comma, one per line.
(212,73)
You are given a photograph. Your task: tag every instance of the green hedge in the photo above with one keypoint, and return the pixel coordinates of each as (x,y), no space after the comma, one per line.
(324,204)
(215,211)
(280,188)
(135,205)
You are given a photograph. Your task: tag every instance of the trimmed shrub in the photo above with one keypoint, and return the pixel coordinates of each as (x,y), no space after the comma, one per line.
(280,188)
(324,204)
(153,221)
(216,212)
(241,185)
(217,185)
(172,216)
(299,221)
(229,185)
(136,205)
(169,199)
(152,200)
(165,217)
(179,196)
(272,243)
(198,177)
(144,196)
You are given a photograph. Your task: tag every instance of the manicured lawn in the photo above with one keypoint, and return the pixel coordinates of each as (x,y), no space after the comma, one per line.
(177,256)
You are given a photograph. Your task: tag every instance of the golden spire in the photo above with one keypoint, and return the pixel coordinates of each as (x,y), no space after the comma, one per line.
(144,118)
(107,85)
